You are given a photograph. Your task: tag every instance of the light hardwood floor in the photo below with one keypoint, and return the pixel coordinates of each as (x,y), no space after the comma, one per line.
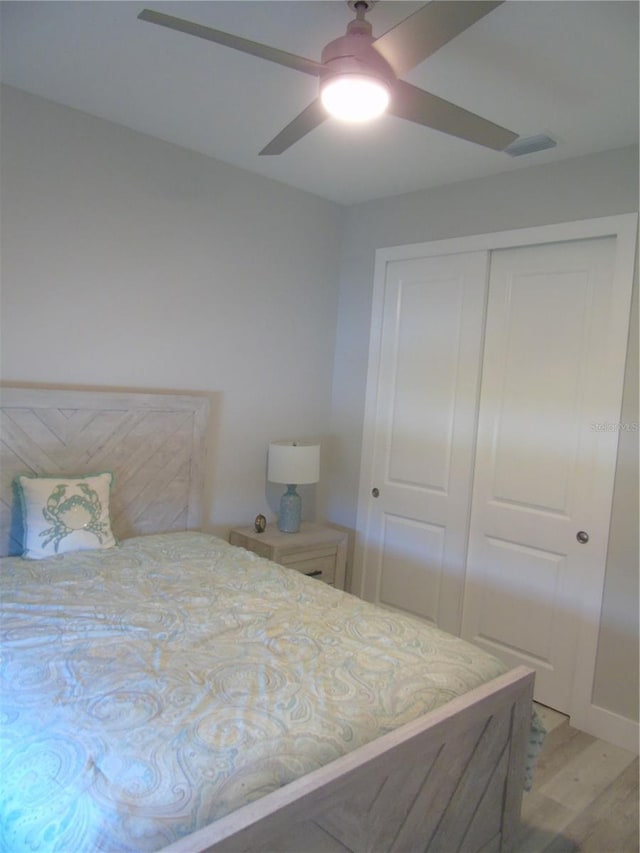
(584,797)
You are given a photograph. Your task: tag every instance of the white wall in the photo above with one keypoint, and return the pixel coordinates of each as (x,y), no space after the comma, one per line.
(128,262)
(583,188)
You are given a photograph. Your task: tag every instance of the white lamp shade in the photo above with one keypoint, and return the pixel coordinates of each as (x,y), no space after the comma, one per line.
(293,463)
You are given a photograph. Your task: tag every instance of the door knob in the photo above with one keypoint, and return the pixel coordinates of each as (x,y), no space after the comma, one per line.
(582,536)
(375,492)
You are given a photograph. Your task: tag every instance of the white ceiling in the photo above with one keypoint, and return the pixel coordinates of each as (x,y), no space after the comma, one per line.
(569,69)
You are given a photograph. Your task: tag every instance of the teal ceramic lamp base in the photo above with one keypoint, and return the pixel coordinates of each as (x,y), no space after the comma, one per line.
(290,506)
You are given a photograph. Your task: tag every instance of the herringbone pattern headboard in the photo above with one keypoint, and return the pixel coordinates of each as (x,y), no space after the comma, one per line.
(153,443)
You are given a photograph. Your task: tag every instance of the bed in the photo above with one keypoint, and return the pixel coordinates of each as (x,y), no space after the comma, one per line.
(174,692)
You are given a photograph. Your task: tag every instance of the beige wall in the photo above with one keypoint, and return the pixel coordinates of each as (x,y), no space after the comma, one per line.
(133,263)
(582,188)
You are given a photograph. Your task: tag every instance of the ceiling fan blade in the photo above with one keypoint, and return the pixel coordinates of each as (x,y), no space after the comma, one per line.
(281,57)
(421,34)
(422,107)
(308,119)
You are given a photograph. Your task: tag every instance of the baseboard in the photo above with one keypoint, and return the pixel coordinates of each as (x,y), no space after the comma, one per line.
(607,725)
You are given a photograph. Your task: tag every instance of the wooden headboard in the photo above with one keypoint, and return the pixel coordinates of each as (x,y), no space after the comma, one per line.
(153,443)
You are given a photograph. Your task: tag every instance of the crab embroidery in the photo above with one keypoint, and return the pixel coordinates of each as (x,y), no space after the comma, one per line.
(77,512)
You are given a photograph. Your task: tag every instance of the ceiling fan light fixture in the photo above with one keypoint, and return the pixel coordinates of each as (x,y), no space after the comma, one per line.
(359,74)
(355,97)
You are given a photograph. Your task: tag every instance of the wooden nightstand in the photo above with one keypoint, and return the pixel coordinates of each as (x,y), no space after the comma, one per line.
(316,550)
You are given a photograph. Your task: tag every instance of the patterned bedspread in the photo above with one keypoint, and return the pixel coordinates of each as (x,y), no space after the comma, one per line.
(154,687)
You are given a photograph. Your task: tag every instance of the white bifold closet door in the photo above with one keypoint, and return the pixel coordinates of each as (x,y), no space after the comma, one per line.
(541,494)
(431,351)
(487,479)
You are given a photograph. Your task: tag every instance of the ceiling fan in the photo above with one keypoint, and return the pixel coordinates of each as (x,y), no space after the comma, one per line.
(357,59)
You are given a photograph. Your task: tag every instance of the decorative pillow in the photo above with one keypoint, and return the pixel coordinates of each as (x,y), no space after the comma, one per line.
(65,513)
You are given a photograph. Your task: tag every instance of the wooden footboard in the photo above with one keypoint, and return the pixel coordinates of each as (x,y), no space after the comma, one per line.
(451,780)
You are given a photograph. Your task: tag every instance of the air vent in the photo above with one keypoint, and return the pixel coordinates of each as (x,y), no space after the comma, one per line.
(530,144)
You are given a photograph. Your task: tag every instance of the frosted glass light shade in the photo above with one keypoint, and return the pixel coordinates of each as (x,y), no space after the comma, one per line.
(293,463)
(353,97)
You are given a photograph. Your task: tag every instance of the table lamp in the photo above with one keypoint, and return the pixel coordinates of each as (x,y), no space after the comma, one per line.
(294,463)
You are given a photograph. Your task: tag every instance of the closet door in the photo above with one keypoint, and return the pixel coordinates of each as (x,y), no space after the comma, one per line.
(546,455)
(419,484)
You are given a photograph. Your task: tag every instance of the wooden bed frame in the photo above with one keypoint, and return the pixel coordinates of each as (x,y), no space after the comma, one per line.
(451,780)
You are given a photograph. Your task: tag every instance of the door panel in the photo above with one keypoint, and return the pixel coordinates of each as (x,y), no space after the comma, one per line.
(405,581)
(425,431)
(537,474)
(427,339)
(503,589)
(542,333)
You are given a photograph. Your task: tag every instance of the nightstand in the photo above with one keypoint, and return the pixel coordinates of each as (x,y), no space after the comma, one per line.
(316,550)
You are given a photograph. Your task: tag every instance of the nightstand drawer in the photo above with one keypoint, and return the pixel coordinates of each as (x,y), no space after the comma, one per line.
(317,550)
(323,568)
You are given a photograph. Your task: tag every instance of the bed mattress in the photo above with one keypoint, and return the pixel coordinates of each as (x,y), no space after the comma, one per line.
(154,687)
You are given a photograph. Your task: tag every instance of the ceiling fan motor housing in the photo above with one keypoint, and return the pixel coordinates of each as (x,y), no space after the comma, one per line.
(354,53)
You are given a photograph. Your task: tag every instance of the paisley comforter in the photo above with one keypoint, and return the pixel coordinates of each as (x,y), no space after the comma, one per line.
(154,687)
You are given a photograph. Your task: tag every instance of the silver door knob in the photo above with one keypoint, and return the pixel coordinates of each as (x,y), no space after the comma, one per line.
(582,536)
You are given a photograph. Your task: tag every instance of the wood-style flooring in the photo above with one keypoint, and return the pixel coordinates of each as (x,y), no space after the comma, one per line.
(584,796)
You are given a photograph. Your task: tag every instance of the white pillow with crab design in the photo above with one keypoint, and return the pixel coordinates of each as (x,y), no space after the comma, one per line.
(61,514)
